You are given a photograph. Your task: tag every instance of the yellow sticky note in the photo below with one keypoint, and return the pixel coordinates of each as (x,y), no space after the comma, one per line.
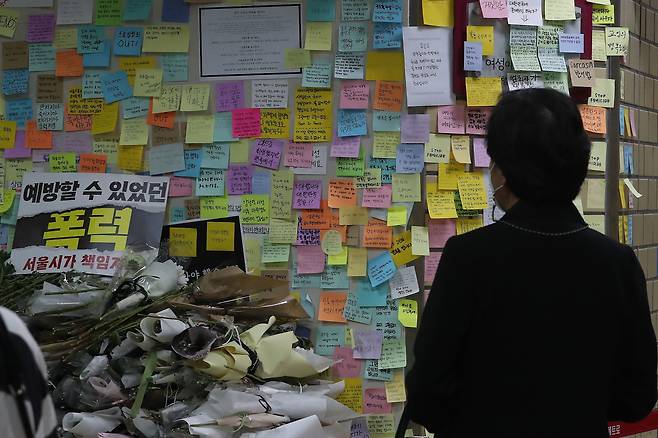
(461,148)
(384,65)
(195,97)
(220,236)
(338,259)
(448,174)
(352,395)
(395,389)
(131,158)
(130,64)
(603,93)
(406,187)
(313,115)
(62,162)
(420,241)
(148,82)
(597,157)
(274,123)
(472,191)
(559,10)
(282,184)
(7,134)
(252,255)
(134,132)
(385,144)
(595,194)
(438,13)
(8,197)
(481,34)
(381,426)
(200,129)
(106,120)
(357,260)
(437,150)
(213,207)
(65,37)
(255,209)
(396,216)
(603,14)
(282,231)
(8,22)
(239,152)
(108,147)
(332,242)
(441,205)
(297,58)
(353,215)
(2,106)
(483,91)
(616,41)
(182,242)
(466,224)
(598,45)
(318,35)
(169,99)
(401,249)
(408,313)
(349,338)
(166,38)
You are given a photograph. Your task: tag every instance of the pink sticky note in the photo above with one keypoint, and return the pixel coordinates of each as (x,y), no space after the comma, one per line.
(181,187)
(19,150)
(246,122)
(494,8)
(307,194)
(476,120)
(354,95)
(298,155)
(450,119)
(431,264)
(79,142)
(310,260)
(415,128)
(239,180)
(347,367)
(229,96)
(375,402)
(267,153)
(40,28)
(377,198)
(482,158)
(440,230)
(346,146)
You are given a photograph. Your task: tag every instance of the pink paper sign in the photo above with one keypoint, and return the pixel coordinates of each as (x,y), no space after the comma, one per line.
(375,402)
(229,96)
(298,155)
(306,195)
(346,147)
(310,260)
(19,150)
(476,120)
(40,28)
(482,158)
(354,95)
(450,119)
(347,367)
(239,180)
(440,230)
(494,8)
(431,264)
(181,187)
(377,198)
(246,123)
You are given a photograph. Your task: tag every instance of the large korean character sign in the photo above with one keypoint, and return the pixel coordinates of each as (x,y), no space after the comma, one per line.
(84,222)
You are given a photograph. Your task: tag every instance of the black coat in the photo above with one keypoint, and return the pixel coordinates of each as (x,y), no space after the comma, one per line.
(528,335)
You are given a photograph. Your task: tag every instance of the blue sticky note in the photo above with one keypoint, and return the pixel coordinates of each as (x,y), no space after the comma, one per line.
(137,10)
(224,127)
(42,57)
(50,116)
(174,67)
(4,234)
(128,41)
(116,86)
(354,312)
(334,277)
(410,158)
(572,43)
(352,122)
(210,183)
(372,372)
(15,82)
(19,111)
(353,37)
(261,183)
(192,164)
(368,296)
(177,214)
(175,11)
(387,165)
(622,126)
(472,56)
(308,306)
(317,76)
(215,156)
(381,269)
(628,159)
(320,10)
(90,39)
(327,338)
(134,107)
(387,11)
(306,281)
(92,85)
(387,121)
(387,36)
(100,59)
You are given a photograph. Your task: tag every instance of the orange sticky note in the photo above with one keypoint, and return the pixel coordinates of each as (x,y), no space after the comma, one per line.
(163,120)
(35,139)
(92,163)
(342,193)
(68,64)
(377,235)
(76,122)
(317,219)
(331,306)
(388,96)
(593,118)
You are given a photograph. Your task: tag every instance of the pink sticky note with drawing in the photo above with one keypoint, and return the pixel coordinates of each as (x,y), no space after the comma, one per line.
(476,120)
(431,264)
(450,119)
(440,230)
(19,150)
(494,8)
(246,122)
(229,96)
(375,402)
(379,197)
(307,194)
(40,28)
(346,146)
(298,155)
(354,95)
(267,153)
(415,128)
(347,367)
(482,158)
(181,187)
(239,179)
(310,259)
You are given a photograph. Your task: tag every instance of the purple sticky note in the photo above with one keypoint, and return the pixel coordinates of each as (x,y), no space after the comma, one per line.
(346,147)
(415,128)
(310,259)
(306,195)
(19,150)
(482,158)
(367,344)
(79,142)
(239,180)
(40,28)
(229,96)
(267,153)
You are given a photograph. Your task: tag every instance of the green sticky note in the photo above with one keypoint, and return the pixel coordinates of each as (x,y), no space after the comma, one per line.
(108,12)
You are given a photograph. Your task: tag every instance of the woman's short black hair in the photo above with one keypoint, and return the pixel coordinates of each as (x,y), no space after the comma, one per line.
(536,137)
